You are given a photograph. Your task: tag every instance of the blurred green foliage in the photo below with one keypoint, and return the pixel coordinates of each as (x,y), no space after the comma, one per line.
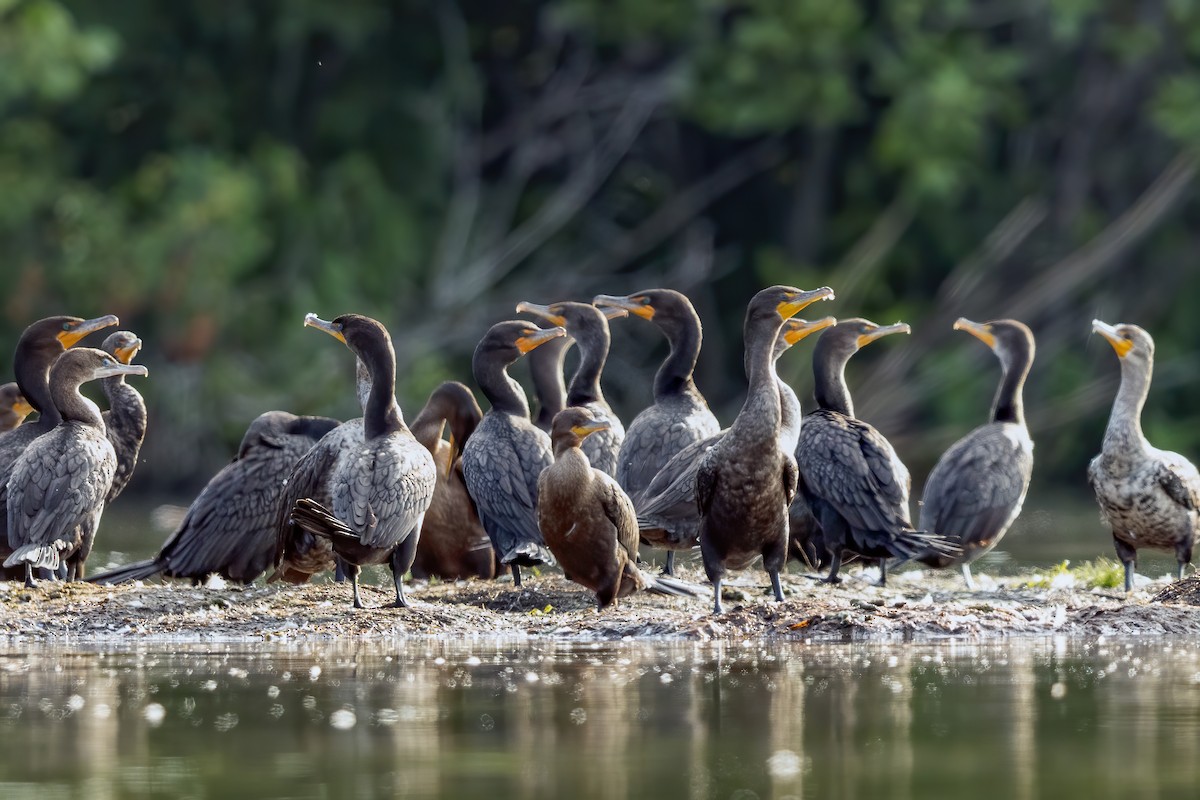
(210,171)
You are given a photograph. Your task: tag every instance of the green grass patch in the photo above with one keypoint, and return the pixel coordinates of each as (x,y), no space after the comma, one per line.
(1100,573)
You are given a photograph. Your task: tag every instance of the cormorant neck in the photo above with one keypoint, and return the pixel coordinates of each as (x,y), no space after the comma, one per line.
(382,413)
(789,417)
(33,377)
(504,393)
(1009,404)
(126,403)
(428,426)
(674,377)
(1124,429)
(829,381)
(546,369)
(585,383)
(74,406)
(762,394)
(568,447)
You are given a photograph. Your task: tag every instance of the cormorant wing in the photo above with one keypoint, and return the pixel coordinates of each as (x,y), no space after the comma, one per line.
(58,485)
(385,489)
(1179,479)
(620,512)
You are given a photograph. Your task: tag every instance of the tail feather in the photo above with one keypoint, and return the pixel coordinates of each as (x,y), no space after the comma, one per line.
(41,556)
(137,571)
(662,584)
(528,554)
(316,519)
(910,544)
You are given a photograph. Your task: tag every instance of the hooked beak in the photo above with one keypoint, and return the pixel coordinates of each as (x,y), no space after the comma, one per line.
(544,312)
(865,339)
(584,430)
(539,337)
(1119,343)
(21,407)
(126,354)
(796,329)
(109,370)
(69,338)
(979,330)
(797,302)
(332,328)
(628,304)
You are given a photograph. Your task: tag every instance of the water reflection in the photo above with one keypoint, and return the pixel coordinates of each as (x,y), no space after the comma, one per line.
(611,721)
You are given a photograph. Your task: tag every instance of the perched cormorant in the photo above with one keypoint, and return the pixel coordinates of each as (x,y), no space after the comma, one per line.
(503,458)
(1150,497)
(549,387)
(59,482)
(453,542)
(850,476)
(125,419)
(667,511)
(230,528)
(746,481)
(38,348)
(679,415)
(382,488)
(13,407)
(976,489)
(587,519)
(588,327)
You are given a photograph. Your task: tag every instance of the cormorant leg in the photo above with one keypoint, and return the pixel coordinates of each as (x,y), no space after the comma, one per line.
(1128,556)
(835,563)
(401,562)
(717,608)
(1183,555)
(774,573)
(966,571)
(516,573)
(883,572)
(353,571)
(669,568)
(29,584)
(339,571)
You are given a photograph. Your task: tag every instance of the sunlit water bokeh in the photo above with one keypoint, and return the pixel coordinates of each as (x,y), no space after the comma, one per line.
(616,720)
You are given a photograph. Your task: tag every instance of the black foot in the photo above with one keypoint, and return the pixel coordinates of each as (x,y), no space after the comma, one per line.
(669,567)
(882,572)
(717,607)
(776,585)
(29,584)
(516,573)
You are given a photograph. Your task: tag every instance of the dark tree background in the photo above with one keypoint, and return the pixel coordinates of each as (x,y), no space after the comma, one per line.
(210,171)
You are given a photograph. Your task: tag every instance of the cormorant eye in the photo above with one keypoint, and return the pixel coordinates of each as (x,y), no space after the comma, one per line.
(68,326)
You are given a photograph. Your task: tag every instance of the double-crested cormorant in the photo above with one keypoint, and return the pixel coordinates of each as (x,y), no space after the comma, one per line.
(549,387)
(230,528)
(503,458)
(125,419)
(453,542)
(38,348)
(587,519)
(13,407)
(667,511)
(1150,497)
(59,482)
(381,489)
(588,327)
(976,489)
(746,481)
(851,478)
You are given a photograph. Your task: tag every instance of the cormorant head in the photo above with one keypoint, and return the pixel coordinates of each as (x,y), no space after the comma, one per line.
(578,318)
(123,345)
(1132,344)
(509,340)
(795,329)
(1010,340)
(777,303)
(11,400)
(82,364)
(668,309)
(851,335)
(572,425)
(50,336)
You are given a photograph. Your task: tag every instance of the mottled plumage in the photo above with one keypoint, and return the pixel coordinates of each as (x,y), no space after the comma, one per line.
(850,476)
(746,481)
(125,419)
(13,407)
(230,529)
(453,542)
(588,327)
(506,453)
(977,487)
(59,482)
(1149,497)
(382,488)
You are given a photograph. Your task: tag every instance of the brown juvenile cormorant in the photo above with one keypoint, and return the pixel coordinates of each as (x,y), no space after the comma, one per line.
(679,415)
(667,511)
(59,482)
(588,327)
(587,519)
(746,481)
(230,528)
(503,458)
(1149,497)
(851,478)
(125,419)
(976,489)
(381,489)
(13,407)
(549,387)
(453,542)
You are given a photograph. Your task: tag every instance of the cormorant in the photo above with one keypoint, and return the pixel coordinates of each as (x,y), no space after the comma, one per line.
(1150,497)
(59,482)
(667,511)
(230,528)
(453,542)
(851,478)
(503,458)
(588,327)
(549,387)
(587,519)
(382,489)
(125,419)
(977,487)
(745,481)
(679,415)
(13,407)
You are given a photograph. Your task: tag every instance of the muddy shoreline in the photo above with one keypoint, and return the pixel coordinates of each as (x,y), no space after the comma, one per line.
(916,606)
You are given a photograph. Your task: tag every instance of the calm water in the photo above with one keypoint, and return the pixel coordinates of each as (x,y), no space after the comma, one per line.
(466,720)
